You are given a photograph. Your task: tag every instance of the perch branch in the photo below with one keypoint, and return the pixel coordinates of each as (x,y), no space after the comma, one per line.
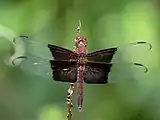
(69,101)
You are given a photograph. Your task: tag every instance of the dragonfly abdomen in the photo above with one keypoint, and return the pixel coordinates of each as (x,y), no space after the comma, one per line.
(80,71)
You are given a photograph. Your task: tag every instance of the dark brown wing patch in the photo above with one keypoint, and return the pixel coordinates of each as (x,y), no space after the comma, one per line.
(104,55)
(96,72)
(60,53)
(64,71)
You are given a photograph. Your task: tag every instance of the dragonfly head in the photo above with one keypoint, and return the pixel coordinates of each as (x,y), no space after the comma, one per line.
(80,41)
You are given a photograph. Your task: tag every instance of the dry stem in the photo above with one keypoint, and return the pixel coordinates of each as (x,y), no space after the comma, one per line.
(69,101)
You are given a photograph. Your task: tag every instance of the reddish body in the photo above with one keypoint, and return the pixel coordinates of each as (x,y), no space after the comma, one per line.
(80,49)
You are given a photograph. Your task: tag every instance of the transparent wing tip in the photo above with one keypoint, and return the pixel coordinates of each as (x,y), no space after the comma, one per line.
(22,36)
(142,42)
(141,65)
(20,57)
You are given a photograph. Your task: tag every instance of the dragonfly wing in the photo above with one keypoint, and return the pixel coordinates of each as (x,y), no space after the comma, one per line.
(126,54)
(64,71)
(60,53)
(37,49)
(132,50)
(97,73)
(36,60)
(104,55)
(36,66)
(122,57)
(47,51)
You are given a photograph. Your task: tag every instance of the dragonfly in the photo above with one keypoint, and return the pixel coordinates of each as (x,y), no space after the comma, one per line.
(78,66)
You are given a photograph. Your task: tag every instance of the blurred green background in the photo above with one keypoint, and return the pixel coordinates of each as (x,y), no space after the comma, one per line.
(105,23)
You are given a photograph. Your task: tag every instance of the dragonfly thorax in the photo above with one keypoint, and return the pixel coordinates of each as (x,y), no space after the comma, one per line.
(80,45)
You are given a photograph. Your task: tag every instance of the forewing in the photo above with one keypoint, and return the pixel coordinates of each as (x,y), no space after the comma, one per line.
(104,55)
(60,53)
(64,71)
(36,60)
(96,73)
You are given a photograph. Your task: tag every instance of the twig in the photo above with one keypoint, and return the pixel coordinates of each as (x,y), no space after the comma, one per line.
(69,101)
